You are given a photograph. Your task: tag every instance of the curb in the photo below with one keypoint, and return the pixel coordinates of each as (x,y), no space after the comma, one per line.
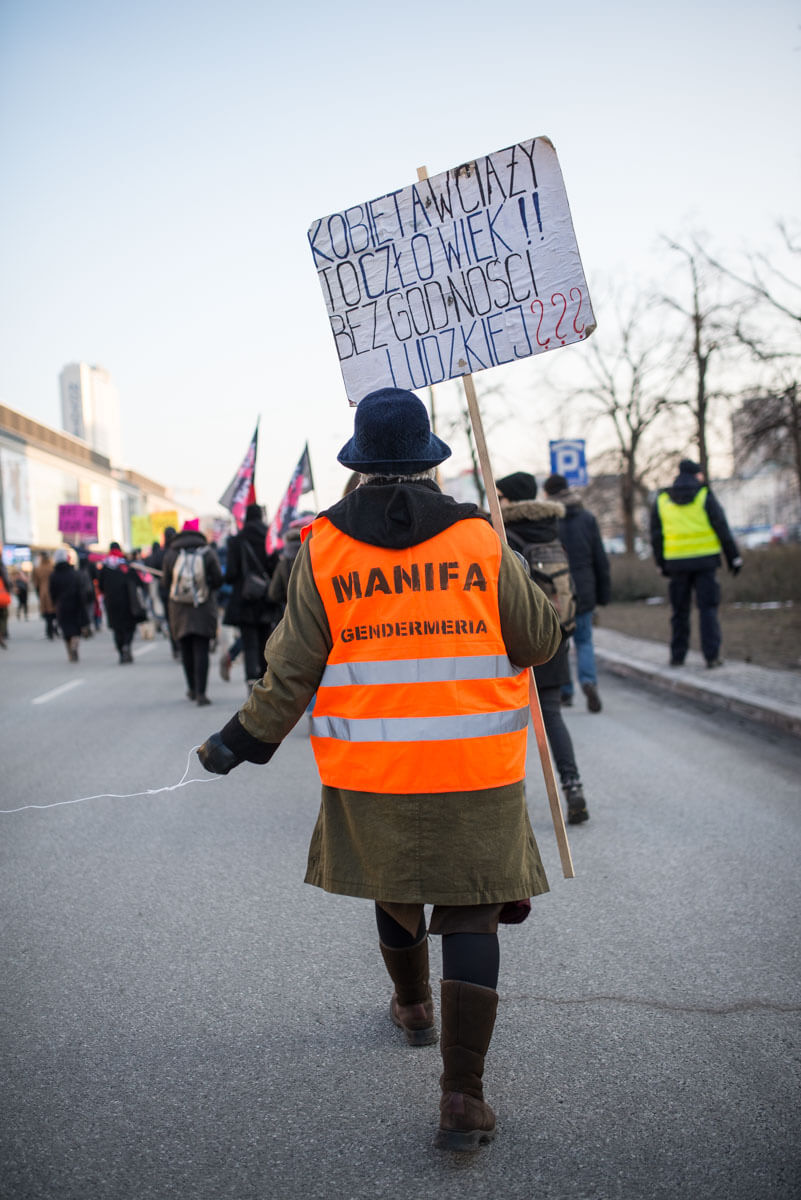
(775,714)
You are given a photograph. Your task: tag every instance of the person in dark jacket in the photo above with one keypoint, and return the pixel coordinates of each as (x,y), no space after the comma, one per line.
(193,625)
(589,566)
(67,593)
(255,619)
(530,521)
(688,532)
(118,588)
(415,625)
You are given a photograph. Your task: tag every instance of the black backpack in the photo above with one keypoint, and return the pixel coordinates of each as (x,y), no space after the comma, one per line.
(549,568)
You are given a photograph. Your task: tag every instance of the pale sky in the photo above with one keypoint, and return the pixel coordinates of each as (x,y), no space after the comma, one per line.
(162,161)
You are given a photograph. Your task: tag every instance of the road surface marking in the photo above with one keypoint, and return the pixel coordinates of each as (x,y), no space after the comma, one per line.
(51,695)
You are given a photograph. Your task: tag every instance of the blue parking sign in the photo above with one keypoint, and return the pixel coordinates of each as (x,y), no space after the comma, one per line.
(568,459)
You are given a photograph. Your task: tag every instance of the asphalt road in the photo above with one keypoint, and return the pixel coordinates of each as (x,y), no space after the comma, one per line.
(183,1017)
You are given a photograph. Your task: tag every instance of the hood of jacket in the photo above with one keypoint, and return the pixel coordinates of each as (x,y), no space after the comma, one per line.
(397,515)
(684,488)
(534,520)
(188,539)
(572,502)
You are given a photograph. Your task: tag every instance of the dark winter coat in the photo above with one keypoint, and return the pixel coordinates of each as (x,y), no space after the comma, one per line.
(186,619)
(66,591)
(238,611)
(279,584)
(534,521)
(589,565)
(117,585)
(684,489)
(469,847)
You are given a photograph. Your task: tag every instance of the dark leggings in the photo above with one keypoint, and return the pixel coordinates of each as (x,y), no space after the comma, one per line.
(470,957)
(558,735)
(195,657)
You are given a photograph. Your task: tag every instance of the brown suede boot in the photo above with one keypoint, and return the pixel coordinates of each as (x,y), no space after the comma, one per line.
(468,1019)
(411,1007)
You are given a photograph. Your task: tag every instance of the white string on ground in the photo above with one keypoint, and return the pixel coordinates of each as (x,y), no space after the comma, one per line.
(173,787)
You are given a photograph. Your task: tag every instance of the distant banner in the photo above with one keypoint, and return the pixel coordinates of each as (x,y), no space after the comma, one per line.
(300,483)
(17,522)
(163,520)
(470,269)
(142,533)
(78,519)
(241,490)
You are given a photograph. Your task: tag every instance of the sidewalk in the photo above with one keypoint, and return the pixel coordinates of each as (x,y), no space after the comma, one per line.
(771,697)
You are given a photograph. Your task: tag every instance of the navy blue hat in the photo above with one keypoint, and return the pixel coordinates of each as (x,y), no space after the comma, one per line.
(688,467)
(392,436)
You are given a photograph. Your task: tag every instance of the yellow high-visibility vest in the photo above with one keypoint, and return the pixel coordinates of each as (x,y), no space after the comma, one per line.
(686,531)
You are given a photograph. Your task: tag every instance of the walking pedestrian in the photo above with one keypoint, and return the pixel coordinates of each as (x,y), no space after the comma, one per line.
(41,581)
(5,605)
(531,525)
(689,531)
(68,594)
(589,566)
(192,575)
(20,586)
(415,625)
(254,616)
(119,585)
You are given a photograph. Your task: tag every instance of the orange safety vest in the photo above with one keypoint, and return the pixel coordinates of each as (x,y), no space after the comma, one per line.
(418,694)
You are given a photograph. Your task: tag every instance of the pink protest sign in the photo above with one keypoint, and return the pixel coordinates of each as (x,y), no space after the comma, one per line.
(78,519)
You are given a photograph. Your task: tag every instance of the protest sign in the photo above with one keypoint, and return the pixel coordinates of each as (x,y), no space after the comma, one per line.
(163,520)
(142,534)
(78,520)
(469,269)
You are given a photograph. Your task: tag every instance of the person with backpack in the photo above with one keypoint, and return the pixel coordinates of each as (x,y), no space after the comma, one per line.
(589,566)
(191,576)
(532,529)
(254,616)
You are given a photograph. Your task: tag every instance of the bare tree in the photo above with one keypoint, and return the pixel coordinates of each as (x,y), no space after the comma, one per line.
(770,329)
(629,378)
(708,331)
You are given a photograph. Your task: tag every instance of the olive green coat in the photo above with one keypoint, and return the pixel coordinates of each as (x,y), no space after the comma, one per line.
(449,848)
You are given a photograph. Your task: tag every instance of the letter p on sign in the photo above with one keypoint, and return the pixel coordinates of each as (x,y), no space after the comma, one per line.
(568,459)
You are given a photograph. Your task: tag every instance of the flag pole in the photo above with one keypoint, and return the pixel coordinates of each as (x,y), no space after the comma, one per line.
(534,699)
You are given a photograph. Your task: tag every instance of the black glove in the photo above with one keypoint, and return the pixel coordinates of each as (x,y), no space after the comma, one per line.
(736,566)
(217,757)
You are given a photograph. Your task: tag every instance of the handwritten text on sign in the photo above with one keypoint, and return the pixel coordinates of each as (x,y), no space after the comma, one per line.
(78,518)
(469,269)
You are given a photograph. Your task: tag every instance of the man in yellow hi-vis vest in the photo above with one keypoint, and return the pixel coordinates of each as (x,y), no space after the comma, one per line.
(688,533)
(411,624)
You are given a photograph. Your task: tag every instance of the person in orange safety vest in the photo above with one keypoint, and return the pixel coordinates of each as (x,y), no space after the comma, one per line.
(415,627)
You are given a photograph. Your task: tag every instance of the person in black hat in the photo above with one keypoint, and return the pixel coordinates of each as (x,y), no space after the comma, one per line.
(414,625)
(589,566)
(689,531)
(532,527)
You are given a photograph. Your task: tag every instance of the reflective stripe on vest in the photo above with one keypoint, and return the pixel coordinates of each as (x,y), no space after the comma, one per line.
(686,531)
(418,694)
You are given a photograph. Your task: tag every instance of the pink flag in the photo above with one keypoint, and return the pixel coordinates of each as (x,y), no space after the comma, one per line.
(241,490)
(300,482)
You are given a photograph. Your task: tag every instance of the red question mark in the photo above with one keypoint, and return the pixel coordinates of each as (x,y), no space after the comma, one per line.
(578,309)
(561,315)
(539,323)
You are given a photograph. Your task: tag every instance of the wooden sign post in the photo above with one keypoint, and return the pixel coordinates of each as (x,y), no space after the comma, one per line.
(533,695)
